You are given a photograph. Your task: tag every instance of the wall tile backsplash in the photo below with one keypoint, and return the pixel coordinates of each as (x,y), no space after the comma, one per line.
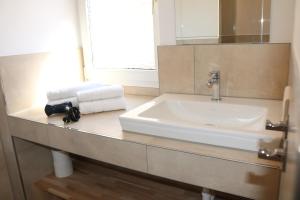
(176,69)
(247,70)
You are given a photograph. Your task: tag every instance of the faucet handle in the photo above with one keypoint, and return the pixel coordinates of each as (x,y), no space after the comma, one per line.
(279,126)
(214,73)
(276,154)
(279,154)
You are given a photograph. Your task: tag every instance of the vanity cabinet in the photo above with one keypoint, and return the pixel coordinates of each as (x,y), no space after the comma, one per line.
(242,179)
(121,153)
(100,137)
(246,179)
(29,130)
(117,152)
(5,190)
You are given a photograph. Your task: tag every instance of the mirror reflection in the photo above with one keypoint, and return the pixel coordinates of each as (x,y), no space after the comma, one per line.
(222,21)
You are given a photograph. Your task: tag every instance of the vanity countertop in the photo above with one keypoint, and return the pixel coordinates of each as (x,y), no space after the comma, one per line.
(107,125)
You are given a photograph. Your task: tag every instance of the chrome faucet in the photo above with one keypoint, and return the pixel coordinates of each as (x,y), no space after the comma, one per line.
(279,126)
(214,83)
(279,154)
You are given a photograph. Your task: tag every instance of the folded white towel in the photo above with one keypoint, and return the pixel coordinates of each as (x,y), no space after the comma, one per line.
(105,92)
(67,92)
(102,105)
(73,100)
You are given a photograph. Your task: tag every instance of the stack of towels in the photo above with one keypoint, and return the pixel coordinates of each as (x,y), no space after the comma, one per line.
(105,98)
(90,97)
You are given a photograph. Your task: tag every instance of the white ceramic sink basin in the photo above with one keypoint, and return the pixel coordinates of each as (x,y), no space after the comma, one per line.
(234,123)
(208,114)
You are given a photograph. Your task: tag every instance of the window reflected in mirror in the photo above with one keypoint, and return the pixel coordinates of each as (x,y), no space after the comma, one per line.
(222,21)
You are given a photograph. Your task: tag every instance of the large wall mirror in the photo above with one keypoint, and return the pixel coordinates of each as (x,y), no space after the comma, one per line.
(222,21)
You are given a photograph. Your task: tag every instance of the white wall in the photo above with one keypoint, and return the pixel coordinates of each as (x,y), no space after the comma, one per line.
(296,81)
(290,179)
(282,21)
(31,26)
(296,38)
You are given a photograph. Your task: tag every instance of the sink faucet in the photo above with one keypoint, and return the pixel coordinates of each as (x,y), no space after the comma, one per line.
(214,83)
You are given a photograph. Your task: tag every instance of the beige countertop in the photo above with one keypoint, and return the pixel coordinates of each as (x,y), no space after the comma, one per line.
(107,125)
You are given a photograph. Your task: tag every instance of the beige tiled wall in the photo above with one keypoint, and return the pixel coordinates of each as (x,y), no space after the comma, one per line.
(176,69)
(36,73)
(247,70)
(145,91)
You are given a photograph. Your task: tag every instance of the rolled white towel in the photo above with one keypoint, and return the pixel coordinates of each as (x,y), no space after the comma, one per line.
(102,105)
(67,92)
(73,100)
(105,92)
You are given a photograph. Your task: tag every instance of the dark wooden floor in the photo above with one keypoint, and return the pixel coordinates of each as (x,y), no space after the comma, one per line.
(91,181)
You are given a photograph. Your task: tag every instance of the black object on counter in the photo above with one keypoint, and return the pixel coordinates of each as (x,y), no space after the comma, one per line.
(72,113)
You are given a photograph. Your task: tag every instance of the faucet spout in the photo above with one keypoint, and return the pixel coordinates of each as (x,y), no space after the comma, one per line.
(214,83)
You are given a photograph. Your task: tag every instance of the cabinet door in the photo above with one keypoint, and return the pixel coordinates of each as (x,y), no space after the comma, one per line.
(241,179)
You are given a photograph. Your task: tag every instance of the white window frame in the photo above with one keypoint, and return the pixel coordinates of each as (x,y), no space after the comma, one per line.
(127,77)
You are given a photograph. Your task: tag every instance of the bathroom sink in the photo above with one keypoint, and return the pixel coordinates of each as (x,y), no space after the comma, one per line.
(232,122)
